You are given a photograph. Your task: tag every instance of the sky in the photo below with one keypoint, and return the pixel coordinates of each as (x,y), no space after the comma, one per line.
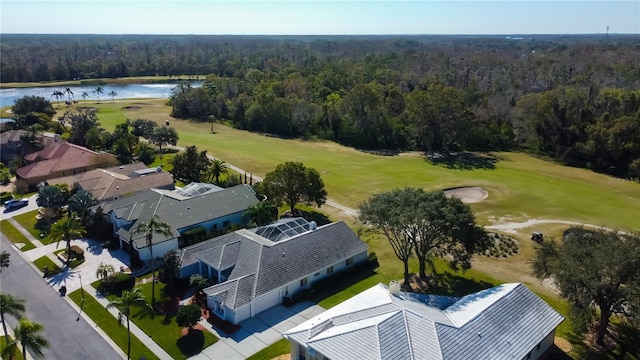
(306,17)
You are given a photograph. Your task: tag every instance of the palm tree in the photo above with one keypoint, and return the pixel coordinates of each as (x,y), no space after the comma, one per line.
(98,90)
(58,94)
(27,333)
(155,225)
(85,95)
(104,270)
(69,94)
(11,306)
(129,299)
(216,168)
(113,95)
(67,230)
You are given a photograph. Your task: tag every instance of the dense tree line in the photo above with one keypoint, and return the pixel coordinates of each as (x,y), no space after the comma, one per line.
(571,97)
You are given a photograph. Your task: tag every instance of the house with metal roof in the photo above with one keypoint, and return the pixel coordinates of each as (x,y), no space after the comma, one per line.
(253,273)
(503,322)
(212,211)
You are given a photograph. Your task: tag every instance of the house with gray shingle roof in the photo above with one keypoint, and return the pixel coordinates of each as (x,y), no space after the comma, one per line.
(253,273)
(118,181)
(212,211)
(503,322)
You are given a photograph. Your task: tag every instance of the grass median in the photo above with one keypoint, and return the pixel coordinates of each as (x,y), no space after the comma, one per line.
(15,236)
(109,324)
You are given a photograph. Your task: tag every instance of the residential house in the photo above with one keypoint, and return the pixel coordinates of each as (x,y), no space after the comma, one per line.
(503,322)
(115,182)
(212,210)
(61,159)
(254,270)
(11,144)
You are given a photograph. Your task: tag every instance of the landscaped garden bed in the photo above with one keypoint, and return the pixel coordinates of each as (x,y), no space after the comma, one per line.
(503,246)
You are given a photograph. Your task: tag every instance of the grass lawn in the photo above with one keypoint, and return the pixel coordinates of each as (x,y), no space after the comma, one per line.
(3,344)
(15,236)
(41,262)
(520,186)
(163,329)
(109,324)
(28,221)
(276,349)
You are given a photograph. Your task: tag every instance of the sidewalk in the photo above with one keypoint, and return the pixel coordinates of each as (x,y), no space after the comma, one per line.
(135,330)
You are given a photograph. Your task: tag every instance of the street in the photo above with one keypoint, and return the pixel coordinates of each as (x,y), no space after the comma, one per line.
(69,339)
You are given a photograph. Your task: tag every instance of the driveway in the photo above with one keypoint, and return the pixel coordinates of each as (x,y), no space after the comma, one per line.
(32,206)
(84,274)
(258,332)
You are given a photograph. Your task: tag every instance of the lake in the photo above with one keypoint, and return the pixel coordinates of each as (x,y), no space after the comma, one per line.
(149,91)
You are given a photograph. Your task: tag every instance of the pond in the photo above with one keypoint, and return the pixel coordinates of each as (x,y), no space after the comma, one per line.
(149,91)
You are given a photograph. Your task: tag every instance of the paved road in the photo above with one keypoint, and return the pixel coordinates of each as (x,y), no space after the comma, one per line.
(69,339)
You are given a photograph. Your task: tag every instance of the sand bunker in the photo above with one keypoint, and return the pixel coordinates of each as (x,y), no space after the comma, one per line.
(468,195)
(133,107)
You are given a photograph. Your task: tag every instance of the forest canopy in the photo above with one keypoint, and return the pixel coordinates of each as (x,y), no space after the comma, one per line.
(574,98)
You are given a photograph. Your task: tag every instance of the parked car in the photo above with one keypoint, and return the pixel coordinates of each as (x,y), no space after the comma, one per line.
(15,204)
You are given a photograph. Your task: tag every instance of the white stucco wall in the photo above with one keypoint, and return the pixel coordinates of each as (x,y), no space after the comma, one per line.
(158,249)
(544,345)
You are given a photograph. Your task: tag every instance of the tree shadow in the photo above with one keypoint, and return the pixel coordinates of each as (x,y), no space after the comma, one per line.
(454,285)
(336,284)
(192,343)
(319,218)
(627,344)
(384,152)
(463,161)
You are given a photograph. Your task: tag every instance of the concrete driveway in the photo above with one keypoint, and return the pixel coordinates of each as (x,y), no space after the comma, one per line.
(86,273)
(258,332)
(32,206)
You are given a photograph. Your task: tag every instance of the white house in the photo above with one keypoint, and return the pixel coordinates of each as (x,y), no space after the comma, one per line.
(504,322)
(256,269)
(201,205)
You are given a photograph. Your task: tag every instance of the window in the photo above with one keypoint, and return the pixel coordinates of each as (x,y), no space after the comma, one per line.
(330,270)
(316,274)
(302,353)
(303,282)
(349,261)
(225,223)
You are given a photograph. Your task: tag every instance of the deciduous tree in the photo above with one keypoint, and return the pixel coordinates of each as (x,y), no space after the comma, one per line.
(189,316)
(597,271)
(164,135)
(292,182)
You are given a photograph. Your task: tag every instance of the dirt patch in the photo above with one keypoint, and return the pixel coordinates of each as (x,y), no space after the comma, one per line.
(132,107)
(468,195)
(563,344)
(282,357)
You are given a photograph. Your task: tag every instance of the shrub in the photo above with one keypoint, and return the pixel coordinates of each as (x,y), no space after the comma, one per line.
(373,260)
(194,235)
(116,283)
(77,252)
(5,196)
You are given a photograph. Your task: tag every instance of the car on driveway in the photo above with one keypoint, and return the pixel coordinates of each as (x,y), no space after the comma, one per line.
(15,204)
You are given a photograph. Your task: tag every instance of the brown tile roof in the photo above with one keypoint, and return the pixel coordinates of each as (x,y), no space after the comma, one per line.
(11,136)
(115,181)
(58,158)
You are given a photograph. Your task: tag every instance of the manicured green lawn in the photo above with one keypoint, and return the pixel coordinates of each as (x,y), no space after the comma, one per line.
(109,324)
(41,262)
(163,329)
(3,344)
(276,349)
(15,236)
(520,186)
(28,221)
